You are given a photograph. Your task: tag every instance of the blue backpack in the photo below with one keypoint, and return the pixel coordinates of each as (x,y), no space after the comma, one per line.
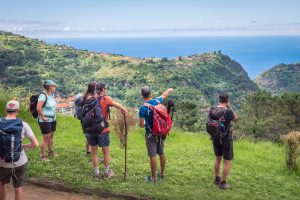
(93,121)
(10,139)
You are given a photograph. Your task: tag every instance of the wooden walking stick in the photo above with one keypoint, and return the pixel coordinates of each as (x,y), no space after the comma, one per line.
(126,134)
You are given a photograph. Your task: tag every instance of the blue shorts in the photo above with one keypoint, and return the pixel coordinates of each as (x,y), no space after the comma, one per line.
(100,140)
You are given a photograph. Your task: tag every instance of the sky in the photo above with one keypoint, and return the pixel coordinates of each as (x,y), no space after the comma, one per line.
(149,18)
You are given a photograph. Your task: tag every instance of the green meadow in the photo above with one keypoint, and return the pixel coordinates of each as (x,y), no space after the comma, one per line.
(258,169)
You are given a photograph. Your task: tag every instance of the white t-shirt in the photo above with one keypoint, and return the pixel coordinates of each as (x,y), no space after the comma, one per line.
(26,133)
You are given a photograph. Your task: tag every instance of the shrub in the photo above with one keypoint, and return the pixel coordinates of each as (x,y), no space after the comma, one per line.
(292,142)
(119,124)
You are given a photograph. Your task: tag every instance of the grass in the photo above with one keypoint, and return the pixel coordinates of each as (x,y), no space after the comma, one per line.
(258,169)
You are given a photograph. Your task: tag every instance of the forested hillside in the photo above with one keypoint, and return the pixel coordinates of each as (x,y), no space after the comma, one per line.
(197,79)
(281,78)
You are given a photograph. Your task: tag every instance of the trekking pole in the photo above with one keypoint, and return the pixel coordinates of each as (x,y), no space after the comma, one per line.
(173,110)
(126,134)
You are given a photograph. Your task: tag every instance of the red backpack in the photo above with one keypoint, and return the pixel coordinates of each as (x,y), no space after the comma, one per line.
(162,121)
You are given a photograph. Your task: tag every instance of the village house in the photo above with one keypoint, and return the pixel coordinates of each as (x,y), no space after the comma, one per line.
(65,105)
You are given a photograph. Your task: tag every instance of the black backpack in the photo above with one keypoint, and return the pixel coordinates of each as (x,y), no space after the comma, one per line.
(79,104)
(93,121)
(215,125)
(34,102)
(10,139)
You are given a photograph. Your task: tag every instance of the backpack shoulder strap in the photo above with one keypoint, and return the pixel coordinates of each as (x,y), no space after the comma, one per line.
(148,105)
(45,100)
(222,114)
(158,102)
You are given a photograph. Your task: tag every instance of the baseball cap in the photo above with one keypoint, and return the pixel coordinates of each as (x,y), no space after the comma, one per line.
(12,106)
(50,82)
(99,87)
(145,90)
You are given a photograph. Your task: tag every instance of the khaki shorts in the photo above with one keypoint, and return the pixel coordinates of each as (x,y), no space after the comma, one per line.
(17,174)
(155,145)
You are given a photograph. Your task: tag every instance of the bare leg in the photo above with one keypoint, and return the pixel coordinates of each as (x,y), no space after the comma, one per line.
(217,165)
(51,142)
(95,157)
(19,194)
(45,141)
(153,167)
(106,155)
(226,169)
(2,191)
(162,164)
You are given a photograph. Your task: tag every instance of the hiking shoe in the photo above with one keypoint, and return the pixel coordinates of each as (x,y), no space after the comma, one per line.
(108,175)
(52,154)
(217,180)
(44,158)
(161,177)
(223,185)
(98,176)
(149,179)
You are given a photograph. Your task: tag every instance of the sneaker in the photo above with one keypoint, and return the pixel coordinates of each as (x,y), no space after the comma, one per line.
(217,180)
(223,185)
(44,158)
(52,154)
(109,175)
(149,179)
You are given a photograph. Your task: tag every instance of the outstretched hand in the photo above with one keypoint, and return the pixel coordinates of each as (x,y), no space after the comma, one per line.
(170,90)
(167,92)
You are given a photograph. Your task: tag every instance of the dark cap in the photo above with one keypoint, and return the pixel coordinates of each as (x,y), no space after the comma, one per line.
(99,87)
(145,91)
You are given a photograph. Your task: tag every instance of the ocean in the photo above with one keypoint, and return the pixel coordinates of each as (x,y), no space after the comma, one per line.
(256,53)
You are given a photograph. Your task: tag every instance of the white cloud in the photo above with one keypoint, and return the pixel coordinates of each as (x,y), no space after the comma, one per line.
(42,29)
(67,28)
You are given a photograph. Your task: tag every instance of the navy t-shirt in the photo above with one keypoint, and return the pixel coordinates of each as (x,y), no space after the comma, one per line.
(147,113)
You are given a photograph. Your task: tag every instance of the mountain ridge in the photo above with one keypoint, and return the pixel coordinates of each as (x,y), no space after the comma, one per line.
(281,78)
(197,79)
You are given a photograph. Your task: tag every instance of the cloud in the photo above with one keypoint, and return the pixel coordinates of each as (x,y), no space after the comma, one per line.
(42,29)
(22,25)
(67,28)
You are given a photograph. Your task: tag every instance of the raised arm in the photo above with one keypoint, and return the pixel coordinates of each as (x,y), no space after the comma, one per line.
(166,93)
(235,116)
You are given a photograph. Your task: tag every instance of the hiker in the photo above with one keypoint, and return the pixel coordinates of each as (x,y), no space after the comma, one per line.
(14,166)
(223,144)
(47,118)
(78,108)
(95,138)
(155,144)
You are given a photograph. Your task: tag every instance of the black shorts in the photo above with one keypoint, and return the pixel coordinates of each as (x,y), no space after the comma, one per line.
(224,147)
(47,127)
(18,175)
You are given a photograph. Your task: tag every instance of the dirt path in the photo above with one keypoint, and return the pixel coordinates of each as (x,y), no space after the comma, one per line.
(32,192)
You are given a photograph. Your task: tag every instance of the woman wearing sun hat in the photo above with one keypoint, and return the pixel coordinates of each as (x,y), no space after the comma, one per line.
(47,118)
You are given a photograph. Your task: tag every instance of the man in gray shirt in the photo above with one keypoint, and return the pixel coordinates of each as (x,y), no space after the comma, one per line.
(14,165)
